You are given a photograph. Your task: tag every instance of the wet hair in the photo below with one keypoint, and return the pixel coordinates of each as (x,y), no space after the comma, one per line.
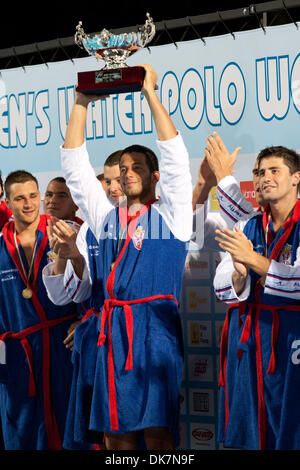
(19,176)
(290,157)
(58,179)
(151,158)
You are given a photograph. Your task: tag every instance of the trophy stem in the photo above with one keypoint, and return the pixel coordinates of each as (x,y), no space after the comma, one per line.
(115,58)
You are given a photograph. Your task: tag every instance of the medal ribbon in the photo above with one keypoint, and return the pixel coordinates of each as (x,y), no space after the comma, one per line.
(44,325)
(287,228)
(26,276)
(268,234)
(252,318)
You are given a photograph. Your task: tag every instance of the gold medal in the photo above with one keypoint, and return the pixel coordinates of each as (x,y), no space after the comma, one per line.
(27,293)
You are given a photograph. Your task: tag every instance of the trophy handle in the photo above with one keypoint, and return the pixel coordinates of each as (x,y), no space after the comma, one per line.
(80,35)
(148,30)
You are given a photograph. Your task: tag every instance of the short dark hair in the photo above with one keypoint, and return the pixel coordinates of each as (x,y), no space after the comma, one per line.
(113,159)
(58,179)
(19,176)
(151,158)
(290,157)
(100,177)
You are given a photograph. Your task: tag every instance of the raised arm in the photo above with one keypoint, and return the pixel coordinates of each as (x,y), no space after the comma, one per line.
(87,192)
(164,126)
(175,203)
(76,126)
(216,165)
(219,159)
(206,181)
(233,204)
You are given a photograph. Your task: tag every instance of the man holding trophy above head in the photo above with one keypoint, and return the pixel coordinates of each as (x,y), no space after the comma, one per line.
(143,246)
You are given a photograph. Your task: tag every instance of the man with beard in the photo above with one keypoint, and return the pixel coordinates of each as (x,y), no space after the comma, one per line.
(141,273)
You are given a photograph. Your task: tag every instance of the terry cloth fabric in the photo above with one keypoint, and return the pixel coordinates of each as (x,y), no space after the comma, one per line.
(37,373)
(84,356)
(139,354)
(260,341)
(5,214)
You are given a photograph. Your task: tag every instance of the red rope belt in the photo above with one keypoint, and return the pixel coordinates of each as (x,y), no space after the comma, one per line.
(89,313)
(50,419)
(253,316)
(107,310)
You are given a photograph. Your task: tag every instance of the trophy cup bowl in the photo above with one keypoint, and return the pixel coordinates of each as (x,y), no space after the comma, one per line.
(115,76)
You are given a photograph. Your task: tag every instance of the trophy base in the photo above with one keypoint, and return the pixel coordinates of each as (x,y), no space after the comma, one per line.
(111,81)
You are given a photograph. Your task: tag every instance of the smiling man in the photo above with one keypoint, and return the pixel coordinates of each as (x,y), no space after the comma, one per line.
(139,350)
(35,369)
(279,178)
(259,279)
(138,174)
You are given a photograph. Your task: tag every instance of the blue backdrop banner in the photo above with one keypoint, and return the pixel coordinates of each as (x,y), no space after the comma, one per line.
(247,88)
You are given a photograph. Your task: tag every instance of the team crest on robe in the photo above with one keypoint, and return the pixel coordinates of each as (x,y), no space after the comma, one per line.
(285,256)
(51,256)
(138,237)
